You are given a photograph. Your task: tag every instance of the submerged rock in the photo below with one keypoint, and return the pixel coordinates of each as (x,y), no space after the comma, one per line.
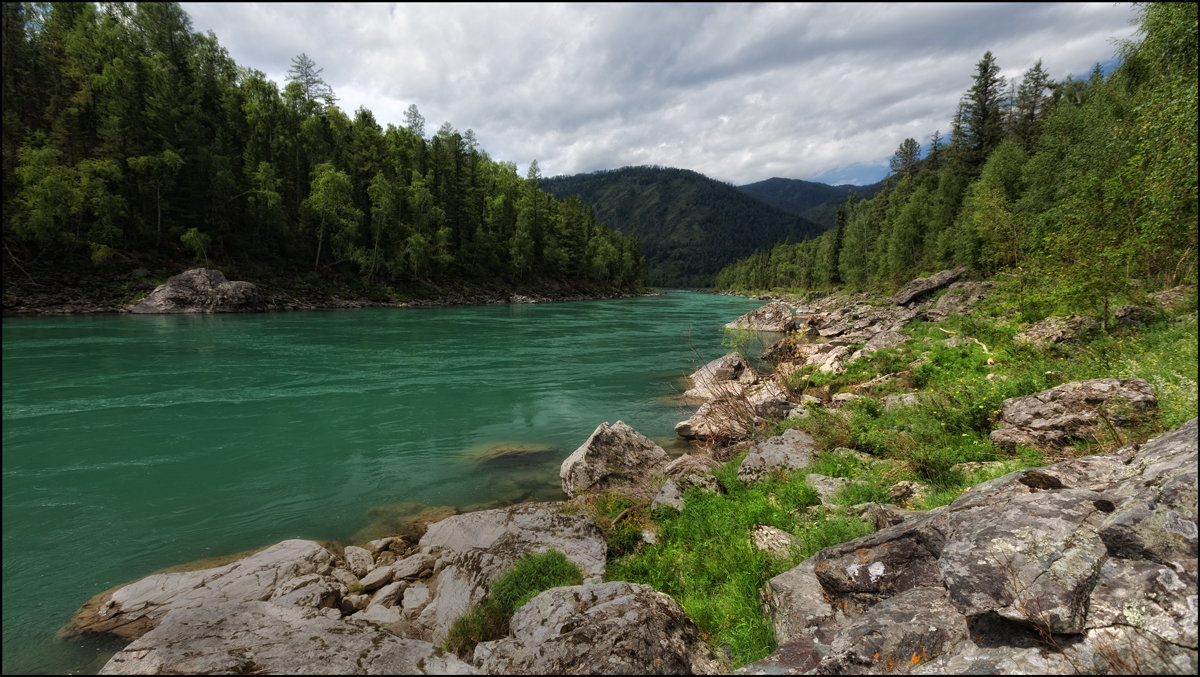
(202,290)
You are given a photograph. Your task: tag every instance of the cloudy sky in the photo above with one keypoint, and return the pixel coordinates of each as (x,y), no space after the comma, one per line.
(738,92)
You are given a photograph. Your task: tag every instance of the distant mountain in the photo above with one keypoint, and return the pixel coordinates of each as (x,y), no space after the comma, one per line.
(689,226)
(817,202)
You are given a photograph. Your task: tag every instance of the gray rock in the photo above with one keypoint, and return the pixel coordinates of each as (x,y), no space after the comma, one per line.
(1056,330)
(614,458)
(793,450)
(413,566)
(777,317)
(959,298)
(719,419)
(201,290)
(605,628)
(389,594)
(249,637)
(901,401)
(691,464)
(477,547)
(880,341)
(909,493)
(1072,411)
(310,590)
(1098,553)
(777,542)
(924,285)
(826,487)
(379,577)
(132,610)
(358,560)
(726,375)
(670,495)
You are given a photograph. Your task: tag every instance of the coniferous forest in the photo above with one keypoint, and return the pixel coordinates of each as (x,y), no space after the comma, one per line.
(131,140)
(1077,191)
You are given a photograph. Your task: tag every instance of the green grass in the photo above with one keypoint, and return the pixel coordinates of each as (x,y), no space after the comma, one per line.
(705,560)
(489,620)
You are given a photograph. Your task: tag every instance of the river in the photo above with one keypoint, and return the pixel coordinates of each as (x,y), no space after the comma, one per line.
(134,443)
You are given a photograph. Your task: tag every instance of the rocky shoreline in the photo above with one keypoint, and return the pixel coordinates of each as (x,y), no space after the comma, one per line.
(1081,566)
(108,296)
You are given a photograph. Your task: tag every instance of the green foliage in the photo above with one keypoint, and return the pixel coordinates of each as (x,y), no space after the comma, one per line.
(121,125)
(1082,190)
(530,575)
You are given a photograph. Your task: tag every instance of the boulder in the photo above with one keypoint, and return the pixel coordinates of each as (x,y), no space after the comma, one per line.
(260,637)
(604,628)
(923,285)
(827,487)
(777,542)
(793,450)
(726,375)
(1087,565)
(880,341)
(959,298)
(614,458)
(672,491)
(721,418)
(1054,330)
(132,610)
(1173,296)
(202,290)
(1132,316)
(691,464)
(358,560)
(777,316)
(474,549)
(1052,418)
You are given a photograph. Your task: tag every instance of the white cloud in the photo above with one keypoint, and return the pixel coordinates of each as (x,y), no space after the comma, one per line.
(739,92)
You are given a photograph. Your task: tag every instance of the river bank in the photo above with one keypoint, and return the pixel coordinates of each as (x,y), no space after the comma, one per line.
(48,292)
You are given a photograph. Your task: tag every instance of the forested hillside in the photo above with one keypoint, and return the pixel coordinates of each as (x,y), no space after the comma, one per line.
(1078,191)
(130,140)
(817,202)
(688,225)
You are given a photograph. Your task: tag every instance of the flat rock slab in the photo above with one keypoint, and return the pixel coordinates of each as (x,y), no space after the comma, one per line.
(606,628)
(1073,410)
(132,610)
(924,285)
(261,637)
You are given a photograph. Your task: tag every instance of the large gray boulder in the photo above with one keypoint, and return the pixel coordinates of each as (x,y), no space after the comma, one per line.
(1076,410)
(474,549)
(614,458)
(1085,566)
(726,375)
(777,316)
(793,450)
(132,610)
(261,637)
(601,629)
(923,285)
(1053,330)
(202,290)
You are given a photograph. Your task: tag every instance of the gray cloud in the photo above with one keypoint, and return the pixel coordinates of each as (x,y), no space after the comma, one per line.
(739,92)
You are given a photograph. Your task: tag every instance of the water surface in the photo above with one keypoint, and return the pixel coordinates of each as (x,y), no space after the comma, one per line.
(134,443)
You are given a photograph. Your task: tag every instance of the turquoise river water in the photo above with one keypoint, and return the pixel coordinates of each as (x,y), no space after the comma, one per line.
(134,443)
